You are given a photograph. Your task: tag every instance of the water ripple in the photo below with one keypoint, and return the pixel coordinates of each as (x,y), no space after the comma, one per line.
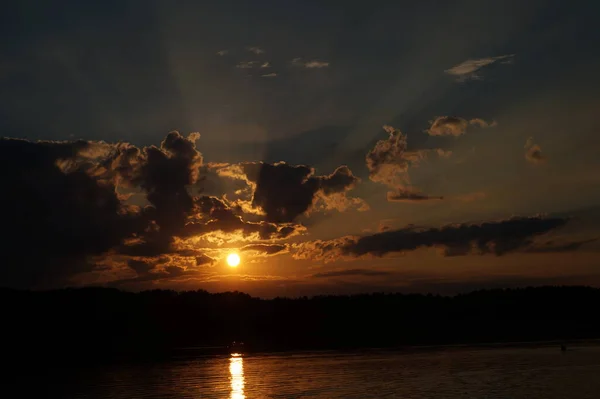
(499,373)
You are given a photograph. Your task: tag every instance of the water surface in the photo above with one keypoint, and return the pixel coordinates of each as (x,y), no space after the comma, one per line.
(450,373)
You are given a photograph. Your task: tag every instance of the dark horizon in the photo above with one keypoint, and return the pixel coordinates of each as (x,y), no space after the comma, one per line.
(451,294)
(97,325)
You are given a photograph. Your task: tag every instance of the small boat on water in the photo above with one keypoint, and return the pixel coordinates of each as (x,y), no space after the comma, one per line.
(236,348)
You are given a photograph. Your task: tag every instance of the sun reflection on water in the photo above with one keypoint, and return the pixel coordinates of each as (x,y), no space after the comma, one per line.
(236,369)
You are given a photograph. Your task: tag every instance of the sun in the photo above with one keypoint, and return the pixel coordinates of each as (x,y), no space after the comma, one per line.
(233,260)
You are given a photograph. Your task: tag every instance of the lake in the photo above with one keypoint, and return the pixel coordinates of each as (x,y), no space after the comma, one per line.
(517,372)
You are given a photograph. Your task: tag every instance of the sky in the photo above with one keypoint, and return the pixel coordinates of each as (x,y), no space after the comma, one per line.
(437,146)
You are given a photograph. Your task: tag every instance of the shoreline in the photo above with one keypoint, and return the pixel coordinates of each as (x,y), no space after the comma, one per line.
(200,352)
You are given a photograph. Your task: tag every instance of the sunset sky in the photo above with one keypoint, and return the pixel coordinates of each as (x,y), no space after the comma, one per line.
(438,146)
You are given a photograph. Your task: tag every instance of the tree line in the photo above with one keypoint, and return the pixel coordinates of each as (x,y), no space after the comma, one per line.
(96,323)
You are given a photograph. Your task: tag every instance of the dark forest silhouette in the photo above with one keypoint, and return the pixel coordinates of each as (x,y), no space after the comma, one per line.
(100,323)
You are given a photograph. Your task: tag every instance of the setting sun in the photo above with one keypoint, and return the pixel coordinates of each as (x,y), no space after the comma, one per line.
(233,260)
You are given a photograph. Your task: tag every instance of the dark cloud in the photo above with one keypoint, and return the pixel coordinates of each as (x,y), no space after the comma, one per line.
(203,260)
(454,126)
(497,237)
(166,174)
(144,249)
(146,245)
(179,266)
(67,202)
(54,220)
(140,266)
(490,237)
(559,246)
(352,272)
(219,216)
(339,181)
(284,192)
(65,210)
(174,271)
(267,249)
(533,152)
(154,270)
(410,196)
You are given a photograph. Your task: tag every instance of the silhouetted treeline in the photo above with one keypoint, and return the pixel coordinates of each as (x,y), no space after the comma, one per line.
(96,323)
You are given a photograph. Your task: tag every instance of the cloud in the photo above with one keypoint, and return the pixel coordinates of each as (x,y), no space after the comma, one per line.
(256,64)
(340,202)
(341,180)
(533,152)
(325,250)
(140,266)
(255,50)
(353,272)
(202,260)
(448,126)
(388,163)
(269,75)
(410,196)
(310,64)
(284,192)
(247,64)
(481,123)
(156,269)
(53,221)
(222,52)
(552,246)
(165,175)
(495,237)
(266,249)
(66,203)
(469,68)
(316,64)
(455,126)
(220,217)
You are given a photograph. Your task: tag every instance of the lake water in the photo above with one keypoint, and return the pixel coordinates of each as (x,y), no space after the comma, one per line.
(451,373)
